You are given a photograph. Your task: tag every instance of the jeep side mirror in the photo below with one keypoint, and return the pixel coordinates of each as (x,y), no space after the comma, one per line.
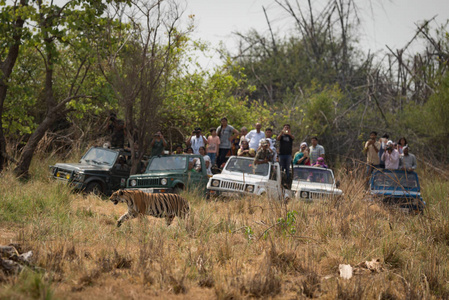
(337,184)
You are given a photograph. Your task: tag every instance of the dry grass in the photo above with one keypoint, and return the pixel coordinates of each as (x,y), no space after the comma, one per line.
(244,248)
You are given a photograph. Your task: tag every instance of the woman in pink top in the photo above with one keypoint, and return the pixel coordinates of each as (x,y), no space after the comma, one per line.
(213,143)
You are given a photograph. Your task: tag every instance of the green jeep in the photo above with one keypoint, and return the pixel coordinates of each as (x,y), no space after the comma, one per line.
(171,174)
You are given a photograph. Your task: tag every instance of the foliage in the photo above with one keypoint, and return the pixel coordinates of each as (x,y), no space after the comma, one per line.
(201,99)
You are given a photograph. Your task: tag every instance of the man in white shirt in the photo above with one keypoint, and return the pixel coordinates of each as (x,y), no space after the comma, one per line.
(316,151)
(196,140)
(254,136)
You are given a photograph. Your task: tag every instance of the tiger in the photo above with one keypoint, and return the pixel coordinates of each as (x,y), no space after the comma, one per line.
(157,205)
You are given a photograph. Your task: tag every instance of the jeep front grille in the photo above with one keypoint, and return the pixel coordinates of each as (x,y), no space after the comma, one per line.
(148,182)
(232,185)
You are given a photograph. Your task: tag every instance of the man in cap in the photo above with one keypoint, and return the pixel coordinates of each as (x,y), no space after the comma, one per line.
(391,157)
(407,161)
(264,154)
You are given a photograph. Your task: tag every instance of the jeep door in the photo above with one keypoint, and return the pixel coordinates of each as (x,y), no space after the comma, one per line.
(274,182)
(119,174)
(197,180)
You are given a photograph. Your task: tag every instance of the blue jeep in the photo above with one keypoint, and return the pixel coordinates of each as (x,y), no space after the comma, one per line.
(398,188)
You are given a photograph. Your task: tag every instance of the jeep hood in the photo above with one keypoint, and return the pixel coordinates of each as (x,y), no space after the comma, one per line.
(400,193)
(240,177)
(82,167)
(315,187)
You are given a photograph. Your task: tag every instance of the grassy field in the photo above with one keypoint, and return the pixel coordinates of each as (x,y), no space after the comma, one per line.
(250,247)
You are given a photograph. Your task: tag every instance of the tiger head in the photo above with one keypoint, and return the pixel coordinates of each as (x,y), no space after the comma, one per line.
(117,197)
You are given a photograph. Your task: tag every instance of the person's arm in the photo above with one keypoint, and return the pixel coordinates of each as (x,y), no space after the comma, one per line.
(152,142)
(414,163)
(233,132)
(280,135)
(189,141)
(366,146)
(204,139)
(375,147)
(164,142)
(384,156)
(322,152)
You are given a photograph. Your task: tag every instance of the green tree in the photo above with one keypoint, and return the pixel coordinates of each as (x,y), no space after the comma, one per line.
(201,99)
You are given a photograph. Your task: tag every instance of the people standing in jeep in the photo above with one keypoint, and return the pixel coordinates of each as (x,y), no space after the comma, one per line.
(116,129)
(158,144)
(196,141)
(285,139)
(225,132)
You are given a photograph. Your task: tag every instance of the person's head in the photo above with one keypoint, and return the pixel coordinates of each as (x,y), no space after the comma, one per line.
(268,132)
(390,146)
(243,131)
(286,127)
(197,131)
(224,121)
(373,135)
(402,141)
(386,136)
(189,150)
(314,141)
(178,149)
(405,150)
(158,134)
(264,144)
(213,131)
(245,144)
(303,146)
(320,160)
(121,160)
(258,127)
(202,151)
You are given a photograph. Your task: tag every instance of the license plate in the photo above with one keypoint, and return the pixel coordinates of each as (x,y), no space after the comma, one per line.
(148,190)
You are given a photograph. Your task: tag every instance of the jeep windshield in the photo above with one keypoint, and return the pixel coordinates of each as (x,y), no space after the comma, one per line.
(167,163)
(388,180)
(100,156)
(247,166)
(317,175)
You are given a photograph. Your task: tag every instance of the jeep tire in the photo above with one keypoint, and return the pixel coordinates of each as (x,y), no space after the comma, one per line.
(94,188)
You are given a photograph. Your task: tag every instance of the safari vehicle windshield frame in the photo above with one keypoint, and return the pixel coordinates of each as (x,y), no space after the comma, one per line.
(171,163)
(394,180)
(100,156)
(313,175)
(247,166)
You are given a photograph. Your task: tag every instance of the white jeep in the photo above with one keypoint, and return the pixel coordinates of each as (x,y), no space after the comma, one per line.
(314,183)
(241,176)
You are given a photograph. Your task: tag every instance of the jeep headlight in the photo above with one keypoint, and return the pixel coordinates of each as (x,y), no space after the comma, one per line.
(133,182)
(304,194)
(215,183)
(163,181)
(250,188)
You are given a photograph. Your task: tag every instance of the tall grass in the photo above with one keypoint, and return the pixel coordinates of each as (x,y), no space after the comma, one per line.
(250,247)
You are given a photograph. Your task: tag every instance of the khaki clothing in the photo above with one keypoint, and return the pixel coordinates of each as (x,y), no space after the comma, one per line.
(372,157)
(264,154)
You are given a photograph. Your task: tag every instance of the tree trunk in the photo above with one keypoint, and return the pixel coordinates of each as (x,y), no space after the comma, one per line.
(28,151)
(6,67)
